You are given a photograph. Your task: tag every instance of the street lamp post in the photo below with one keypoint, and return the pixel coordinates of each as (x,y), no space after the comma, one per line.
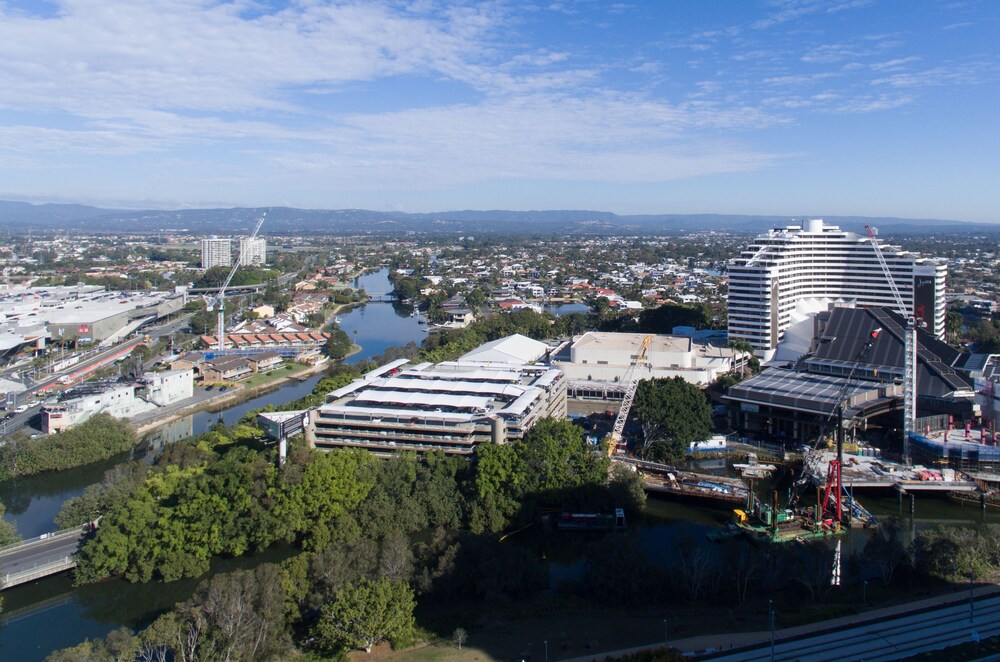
(770,615)
(665,637)
(864,600)
(546,642)
(972,604)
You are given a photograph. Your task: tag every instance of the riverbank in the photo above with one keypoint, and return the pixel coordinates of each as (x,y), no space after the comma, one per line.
(227,399)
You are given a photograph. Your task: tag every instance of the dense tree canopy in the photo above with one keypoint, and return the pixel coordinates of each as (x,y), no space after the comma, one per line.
(672,413)
(8,533)
(552,464)
(366,613)
(98,438)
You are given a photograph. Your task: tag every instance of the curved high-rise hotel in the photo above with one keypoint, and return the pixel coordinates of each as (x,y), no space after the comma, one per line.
(816,261)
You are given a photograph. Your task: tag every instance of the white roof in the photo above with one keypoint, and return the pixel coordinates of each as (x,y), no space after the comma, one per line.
(515,349)
(376,412)
(424,399)
(485,374)
(440,385)
(517,407)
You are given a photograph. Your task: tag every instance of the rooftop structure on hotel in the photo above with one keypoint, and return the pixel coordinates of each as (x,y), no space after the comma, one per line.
(822,263)
(486,396)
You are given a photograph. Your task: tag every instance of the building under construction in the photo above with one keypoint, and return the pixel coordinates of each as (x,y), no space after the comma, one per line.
(795,402)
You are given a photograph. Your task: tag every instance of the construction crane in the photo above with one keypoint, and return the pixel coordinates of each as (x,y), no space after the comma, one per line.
(632,378)
(833,497)
(220,298)
(909,351)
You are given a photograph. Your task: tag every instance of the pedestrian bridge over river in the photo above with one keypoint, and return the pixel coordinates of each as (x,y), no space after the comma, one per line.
(48,554)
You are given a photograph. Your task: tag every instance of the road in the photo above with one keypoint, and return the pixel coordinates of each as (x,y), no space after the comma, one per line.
(39,553)
(898,637)
(76,372)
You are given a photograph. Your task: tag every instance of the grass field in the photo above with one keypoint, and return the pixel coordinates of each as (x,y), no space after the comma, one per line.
(268,377)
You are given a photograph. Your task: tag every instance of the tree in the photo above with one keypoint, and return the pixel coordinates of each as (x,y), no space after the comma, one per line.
(338,344)
(986,336)
(627,489)
(672,413)
(459,636)
(367,613)
(664,318)
(203,322)
(886,549)
(244,611)
(8,533)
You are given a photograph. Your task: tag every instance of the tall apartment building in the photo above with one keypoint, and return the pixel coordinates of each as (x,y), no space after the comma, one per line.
(822,262)
(253,252)
(216,252)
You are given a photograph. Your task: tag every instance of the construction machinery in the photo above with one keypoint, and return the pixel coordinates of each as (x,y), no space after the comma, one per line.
(631,378)
(910,352)
(220,298)
(832,500)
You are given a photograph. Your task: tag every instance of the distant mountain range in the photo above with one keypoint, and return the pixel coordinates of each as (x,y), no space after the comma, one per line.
(23,216)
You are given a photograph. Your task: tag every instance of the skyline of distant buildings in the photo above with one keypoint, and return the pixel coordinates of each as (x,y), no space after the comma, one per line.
(218,252)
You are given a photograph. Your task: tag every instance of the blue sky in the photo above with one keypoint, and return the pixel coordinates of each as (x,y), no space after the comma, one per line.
(785,107)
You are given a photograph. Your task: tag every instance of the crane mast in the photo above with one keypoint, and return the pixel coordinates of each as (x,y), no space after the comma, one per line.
(909,350)
(220,298)
(632,377)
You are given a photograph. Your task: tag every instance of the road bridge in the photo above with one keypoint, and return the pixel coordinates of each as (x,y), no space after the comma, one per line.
(48,554)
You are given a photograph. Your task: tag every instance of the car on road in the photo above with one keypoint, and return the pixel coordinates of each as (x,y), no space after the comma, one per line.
(223,388)
(209,387)
(20,408)
(6,417)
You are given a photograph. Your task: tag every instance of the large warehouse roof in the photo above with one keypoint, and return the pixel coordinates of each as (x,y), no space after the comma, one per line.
(515,349)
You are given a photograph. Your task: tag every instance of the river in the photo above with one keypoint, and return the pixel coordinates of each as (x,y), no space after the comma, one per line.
(50,614)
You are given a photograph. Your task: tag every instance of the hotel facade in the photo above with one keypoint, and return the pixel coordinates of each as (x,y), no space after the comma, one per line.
(816,263)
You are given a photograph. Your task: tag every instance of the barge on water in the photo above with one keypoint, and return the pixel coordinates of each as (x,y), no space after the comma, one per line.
(590,521)
(702,487)
(770,523)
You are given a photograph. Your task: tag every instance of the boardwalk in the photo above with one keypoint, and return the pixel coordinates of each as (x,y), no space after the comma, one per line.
(39,557)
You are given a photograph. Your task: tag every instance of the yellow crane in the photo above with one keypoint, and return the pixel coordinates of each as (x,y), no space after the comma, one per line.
(632,378)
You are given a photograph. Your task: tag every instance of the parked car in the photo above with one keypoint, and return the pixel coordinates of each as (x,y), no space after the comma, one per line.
(223,388)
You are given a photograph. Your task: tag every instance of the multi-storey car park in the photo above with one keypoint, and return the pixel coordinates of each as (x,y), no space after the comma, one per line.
(818,262)
(451,407)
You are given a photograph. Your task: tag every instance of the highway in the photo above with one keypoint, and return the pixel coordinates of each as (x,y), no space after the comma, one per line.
(897,637)
(39,557)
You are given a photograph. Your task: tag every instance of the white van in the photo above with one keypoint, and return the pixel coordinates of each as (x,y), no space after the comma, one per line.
(20,408)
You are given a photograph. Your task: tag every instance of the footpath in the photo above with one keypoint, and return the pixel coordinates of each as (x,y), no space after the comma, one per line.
(710,644)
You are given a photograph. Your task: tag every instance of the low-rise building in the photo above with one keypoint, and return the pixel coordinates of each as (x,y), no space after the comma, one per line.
(225,369)
(607,357)
(119,399)
(265,362)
